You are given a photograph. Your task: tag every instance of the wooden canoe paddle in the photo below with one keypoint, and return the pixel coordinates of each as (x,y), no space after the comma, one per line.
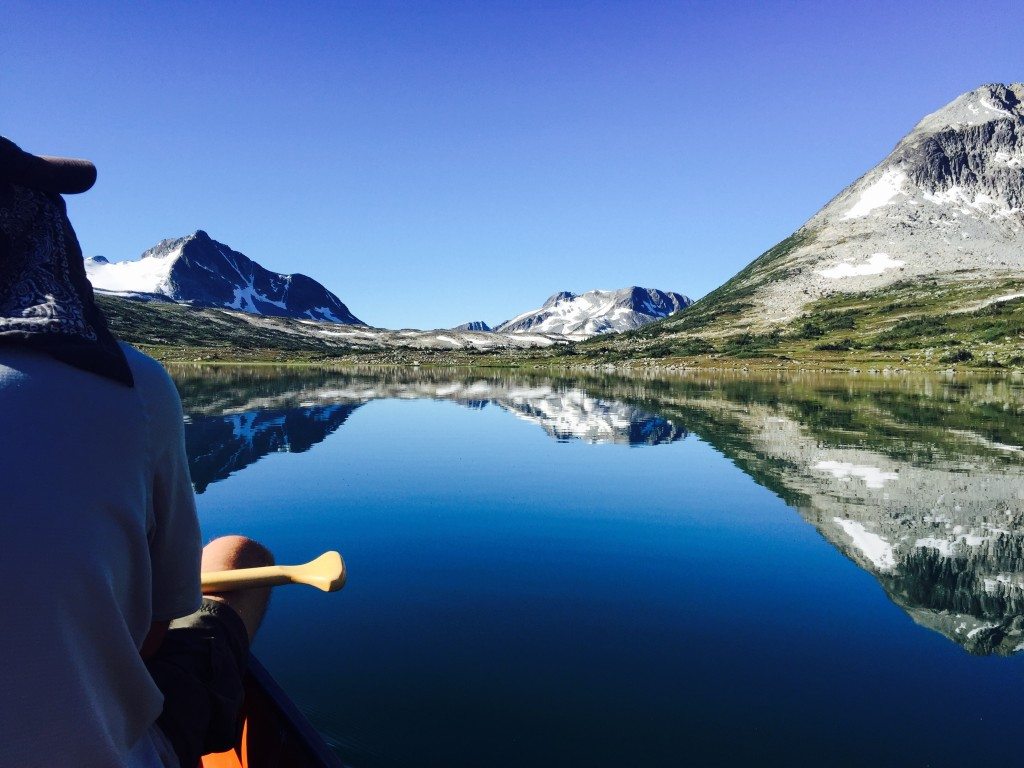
(327,572)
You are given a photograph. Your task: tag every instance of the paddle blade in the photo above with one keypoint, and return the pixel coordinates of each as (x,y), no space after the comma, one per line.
(327,572)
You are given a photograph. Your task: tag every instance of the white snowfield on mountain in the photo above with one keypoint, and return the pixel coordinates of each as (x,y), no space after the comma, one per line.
(149,275)
(971,203)
(878,194)
(581,316)
(876,264)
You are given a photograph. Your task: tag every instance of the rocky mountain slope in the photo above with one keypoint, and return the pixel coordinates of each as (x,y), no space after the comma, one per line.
(588,314)
(475,325)
(934,231)
(200,271)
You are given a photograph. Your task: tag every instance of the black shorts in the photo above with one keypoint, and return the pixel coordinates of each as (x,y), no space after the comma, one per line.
(199,668)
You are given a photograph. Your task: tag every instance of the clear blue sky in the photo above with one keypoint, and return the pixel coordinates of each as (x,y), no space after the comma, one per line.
(434,163)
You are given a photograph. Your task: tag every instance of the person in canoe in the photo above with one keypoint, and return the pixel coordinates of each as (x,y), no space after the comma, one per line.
(111,656)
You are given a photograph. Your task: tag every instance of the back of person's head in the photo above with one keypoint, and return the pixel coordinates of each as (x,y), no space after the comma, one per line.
(46,301)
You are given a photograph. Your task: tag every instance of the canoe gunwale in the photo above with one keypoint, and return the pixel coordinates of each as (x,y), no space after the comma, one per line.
(296,742)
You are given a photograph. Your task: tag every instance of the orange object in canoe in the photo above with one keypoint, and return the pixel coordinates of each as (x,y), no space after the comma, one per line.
(275,734)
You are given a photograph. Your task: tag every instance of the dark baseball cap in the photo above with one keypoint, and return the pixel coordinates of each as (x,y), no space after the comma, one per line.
(61,175)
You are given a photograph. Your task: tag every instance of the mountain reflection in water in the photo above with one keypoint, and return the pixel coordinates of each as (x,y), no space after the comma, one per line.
(256,415)
(219,445)
(919,481)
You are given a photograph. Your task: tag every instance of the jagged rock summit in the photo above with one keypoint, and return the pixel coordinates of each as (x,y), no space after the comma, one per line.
(594,312)
(200,271)
(475,325)
(947,203)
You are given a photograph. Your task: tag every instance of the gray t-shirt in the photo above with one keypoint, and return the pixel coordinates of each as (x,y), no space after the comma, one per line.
(98,538)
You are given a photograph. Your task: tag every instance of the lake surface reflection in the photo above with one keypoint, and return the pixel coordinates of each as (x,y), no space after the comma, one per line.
(609,571)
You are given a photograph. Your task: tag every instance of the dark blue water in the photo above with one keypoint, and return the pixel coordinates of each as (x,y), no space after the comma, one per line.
(523,591)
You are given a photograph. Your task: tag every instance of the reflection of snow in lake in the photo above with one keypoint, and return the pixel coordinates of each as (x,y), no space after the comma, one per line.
(871,545)
(873,477)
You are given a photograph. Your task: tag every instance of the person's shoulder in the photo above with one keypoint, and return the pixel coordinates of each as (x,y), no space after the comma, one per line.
(147,371)
(153,384)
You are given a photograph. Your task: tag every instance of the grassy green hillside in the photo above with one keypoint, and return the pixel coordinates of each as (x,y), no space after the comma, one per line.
(723,305)
(926,323)
(176,331)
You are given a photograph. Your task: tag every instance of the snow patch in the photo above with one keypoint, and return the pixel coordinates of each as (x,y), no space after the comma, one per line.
(944,546)
(244,299)
(880,193)
(970,203)
(986,104)
(322,312)
(871,545)
(974,437)
(983,627)
(1002,157)
(448,340)
(873,477)
(876,264)
(948,547)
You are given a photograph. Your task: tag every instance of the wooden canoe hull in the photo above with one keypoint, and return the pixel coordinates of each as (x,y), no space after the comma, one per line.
(275,733)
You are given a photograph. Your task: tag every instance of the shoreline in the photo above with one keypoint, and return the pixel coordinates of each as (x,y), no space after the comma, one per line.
(426,359)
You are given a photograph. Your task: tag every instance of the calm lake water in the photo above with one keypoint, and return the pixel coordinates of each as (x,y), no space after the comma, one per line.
(633,572)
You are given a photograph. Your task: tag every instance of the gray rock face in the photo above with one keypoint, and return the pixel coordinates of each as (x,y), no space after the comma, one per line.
(975,144)
(948,202)
(595,312)
(200,271)
(476,325)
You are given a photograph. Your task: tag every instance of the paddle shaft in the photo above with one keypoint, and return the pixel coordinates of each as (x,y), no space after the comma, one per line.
(245,578)
(326,572)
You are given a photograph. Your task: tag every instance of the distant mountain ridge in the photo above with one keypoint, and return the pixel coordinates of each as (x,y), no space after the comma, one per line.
(200,271)
(596,312)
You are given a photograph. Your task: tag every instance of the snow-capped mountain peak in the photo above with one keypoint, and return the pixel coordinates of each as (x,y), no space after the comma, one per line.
(558,298)
(594,312)
(198,270)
